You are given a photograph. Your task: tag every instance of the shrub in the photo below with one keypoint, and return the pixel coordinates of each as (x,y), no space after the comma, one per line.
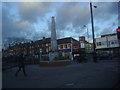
(46,58)
(61,58)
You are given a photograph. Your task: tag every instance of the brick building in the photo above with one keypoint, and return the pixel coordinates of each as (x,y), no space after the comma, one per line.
(84,45)
(65,47)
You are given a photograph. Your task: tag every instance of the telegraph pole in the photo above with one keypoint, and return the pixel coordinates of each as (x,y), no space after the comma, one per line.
(118,29)
(94,52)
(119,21)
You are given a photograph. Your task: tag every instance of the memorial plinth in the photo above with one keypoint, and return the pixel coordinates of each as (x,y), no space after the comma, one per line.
(54,47)
(53,54)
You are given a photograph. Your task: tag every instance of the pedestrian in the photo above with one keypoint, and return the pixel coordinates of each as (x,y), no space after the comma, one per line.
(21,65)
(79,59)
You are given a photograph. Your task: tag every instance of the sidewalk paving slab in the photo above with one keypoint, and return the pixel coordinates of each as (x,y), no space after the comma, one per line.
(83,75)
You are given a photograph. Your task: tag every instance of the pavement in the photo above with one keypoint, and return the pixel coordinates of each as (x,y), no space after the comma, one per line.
(103,74)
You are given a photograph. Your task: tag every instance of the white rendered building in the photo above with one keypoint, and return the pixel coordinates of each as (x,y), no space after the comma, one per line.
(107,43)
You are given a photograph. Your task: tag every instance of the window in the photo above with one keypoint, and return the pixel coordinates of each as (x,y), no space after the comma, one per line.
(69,45)
(58,46)
(116,42)
(99,43)
(65,45)
(102,43)
(82,45)
(47,50)
(61,46)
(46,44)
(112,42)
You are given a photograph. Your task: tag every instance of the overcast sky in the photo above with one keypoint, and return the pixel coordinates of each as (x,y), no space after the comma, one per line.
(31,20)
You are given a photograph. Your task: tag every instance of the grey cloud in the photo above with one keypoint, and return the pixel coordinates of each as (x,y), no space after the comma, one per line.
(97,30)
(83,18)
(27,14)
(72,13)
(107,30)
(113,24)
(7,25)
(31,11)
(39,35)
(105,11)
(77,15)
(12,28)
(60,34)
(64,15)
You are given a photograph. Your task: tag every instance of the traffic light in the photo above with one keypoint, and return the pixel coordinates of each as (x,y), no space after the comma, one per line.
(118,33)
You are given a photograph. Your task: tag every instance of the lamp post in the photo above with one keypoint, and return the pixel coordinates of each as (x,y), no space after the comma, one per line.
(87,33)
(94,52)
(40,54)
(118,29)
(71,49)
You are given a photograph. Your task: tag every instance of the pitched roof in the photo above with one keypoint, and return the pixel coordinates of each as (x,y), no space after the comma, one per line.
(65,40)
(59,41)
(47,40)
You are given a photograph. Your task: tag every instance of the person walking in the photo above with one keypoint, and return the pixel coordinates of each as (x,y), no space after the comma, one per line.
(21,65)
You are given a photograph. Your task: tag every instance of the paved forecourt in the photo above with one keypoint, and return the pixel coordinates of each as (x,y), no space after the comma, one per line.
(83,75)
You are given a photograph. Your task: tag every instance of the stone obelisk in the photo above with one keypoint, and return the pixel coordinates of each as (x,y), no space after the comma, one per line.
(54,47)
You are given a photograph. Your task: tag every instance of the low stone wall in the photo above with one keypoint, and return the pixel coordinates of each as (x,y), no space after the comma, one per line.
(55,63)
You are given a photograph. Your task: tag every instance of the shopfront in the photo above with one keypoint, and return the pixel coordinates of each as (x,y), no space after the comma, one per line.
(65,53)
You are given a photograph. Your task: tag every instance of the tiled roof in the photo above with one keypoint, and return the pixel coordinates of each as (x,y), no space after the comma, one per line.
(47,40)
(60,41)
(65,40)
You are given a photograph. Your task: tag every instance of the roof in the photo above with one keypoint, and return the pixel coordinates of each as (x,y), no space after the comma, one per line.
(60,41)
(65,40)
(109,35)
(38,42)
(47,40)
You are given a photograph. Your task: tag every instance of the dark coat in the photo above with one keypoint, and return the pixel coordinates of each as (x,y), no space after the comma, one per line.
(21,60)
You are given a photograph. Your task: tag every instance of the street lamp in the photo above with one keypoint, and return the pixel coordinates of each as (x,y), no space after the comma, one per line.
(87,32)
(71,49)
(40,54)
(94,52)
